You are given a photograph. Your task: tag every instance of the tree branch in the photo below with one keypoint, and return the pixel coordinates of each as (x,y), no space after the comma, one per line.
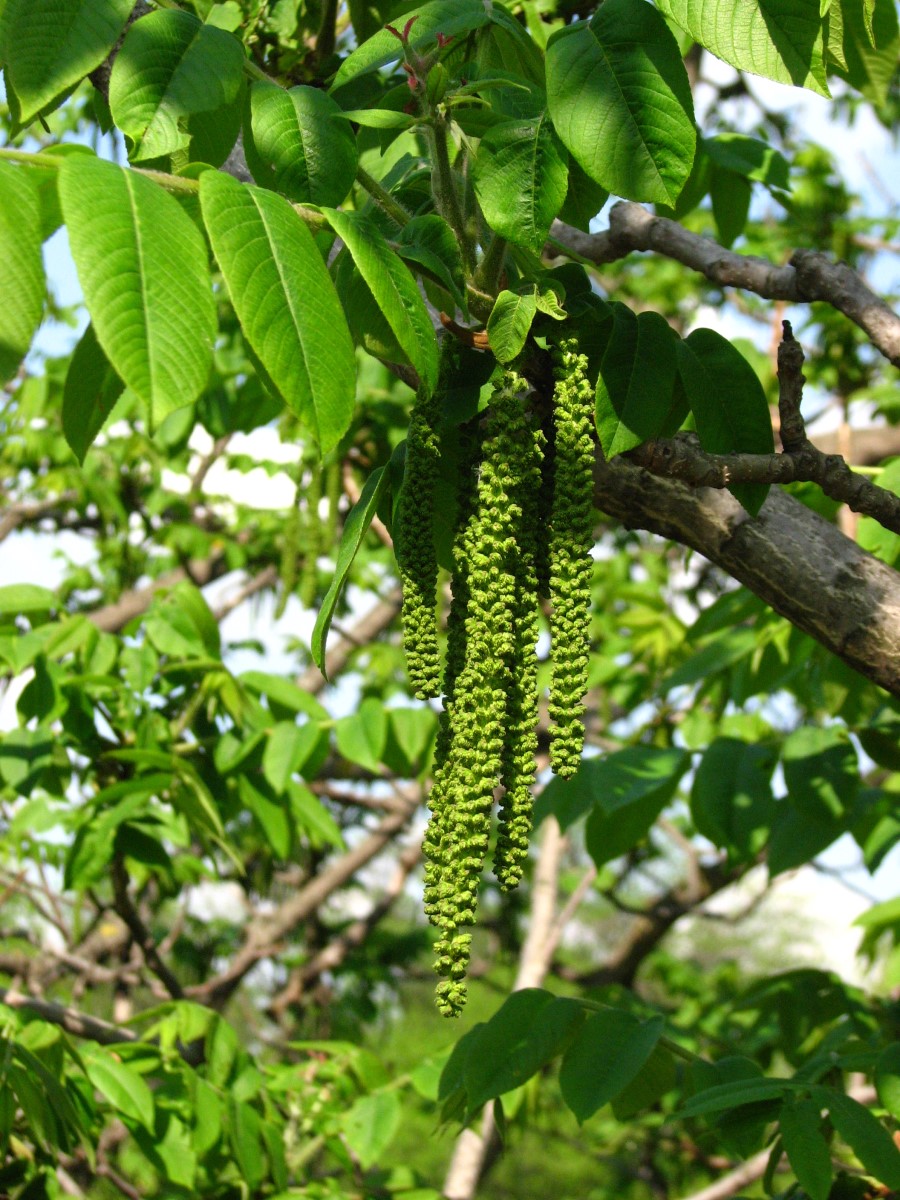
(798,563)
(68,1018)
(682,458)
(810,275)
(125,908)
(264,933)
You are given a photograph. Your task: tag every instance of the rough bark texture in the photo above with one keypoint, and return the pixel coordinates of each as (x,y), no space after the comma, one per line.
(790,557)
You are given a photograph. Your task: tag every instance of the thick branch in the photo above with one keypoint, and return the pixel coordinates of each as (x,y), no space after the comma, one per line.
(793,559)
(810,275)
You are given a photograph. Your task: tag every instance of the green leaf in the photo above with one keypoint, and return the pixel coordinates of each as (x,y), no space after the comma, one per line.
(358,521)
(864,1134)
(806,1147)
(821,772)
(91,390)
(245,1135)
(527,1031)
(26,599)
(613,783)
(370,1124)
(125,1090)
(510,321)
(22,285)
(778,39)
(47,46)
(636,381)
(394,290)
(520,178)
(731,797)
(730,194)
(730,408)
(605,1057)
(361,737)
(634,798)
(449,17)
(143,268)
(725,1096)
(313,817)
(169,67)
(887,1079)
(430,242)
(285,301)
(300,144)
(287,748)
(749,157)
(271,816)
(621,102)
(871,534)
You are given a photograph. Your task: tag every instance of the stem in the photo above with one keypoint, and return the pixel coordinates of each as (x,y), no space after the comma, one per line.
(325,38)
(491,266)
(382,198)
(445,192)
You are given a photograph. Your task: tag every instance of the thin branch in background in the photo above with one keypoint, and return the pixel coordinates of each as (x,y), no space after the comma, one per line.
(70,1019)
(129,914)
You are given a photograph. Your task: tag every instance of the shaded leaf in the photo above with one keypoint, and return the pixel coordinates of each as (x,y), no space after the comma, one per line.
(730,408)
(394,290)
(636,381)
(604,1058)
(91,390)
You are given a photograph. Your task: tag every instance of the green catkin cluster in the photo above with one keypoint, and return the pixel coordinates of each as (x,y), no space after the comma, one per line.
(571,530)
(415,547)
(483,739)
(524,530)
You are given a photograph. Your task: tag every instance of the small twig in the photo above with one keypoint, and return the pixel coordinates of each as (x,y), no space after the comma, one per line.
(129,914)
(267,578)
(208,460)
(382,198)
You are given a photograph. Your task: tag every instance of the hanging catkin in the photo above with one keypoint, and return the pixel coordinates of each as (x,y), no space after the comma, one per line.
(415,547)
(571,530)
(521,743)
(477,714)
